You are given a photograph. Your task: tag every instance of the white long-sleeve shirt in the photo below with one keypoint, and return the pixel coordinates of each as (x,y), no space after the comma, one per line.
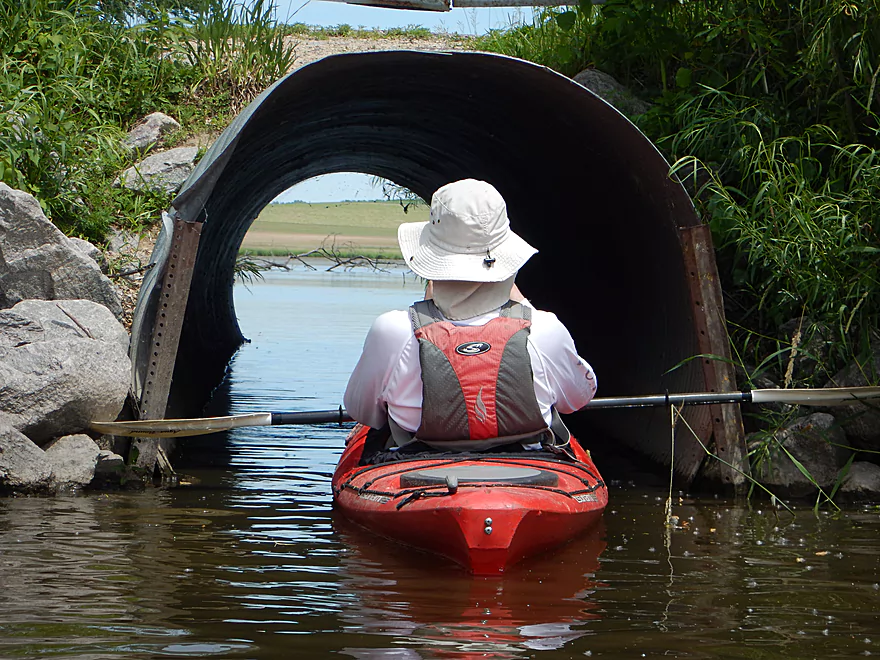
(388,378)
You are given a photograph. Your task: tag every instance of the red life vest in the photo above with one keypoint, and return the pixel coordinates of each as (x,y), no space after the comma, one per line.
(477,382)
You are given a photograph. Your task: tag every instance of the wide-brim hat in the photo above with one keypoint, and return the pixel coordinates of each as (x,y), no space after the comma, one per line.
(468,237)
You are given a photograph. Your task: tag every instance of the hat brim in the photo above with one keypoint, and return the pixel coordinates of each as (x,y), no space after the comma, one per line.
(432,262)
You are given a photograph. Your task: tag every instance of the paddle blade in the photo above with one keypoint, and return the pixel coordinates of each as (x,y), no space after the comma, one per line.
(831,396)
(178,428)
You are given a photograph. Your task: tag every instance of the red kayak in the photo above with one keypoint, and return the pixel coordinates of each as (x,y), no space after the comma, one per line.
(484,511)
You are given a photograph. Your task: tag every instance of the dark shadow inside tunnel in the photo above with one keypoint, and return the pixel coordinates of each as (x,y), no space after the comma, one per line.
(582,184)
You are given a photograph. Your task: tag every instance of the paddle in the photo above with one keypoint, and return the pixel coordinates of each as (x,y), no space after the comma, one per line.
(178,428)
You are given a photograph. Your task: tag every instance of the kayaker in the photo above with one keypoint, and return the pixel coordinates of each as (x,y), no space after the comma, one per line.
(474,366)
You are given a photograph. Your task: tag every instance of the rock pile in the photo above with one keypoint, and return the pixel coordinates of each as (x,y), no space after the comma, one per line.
(63,352)
(63,338)
(831,447)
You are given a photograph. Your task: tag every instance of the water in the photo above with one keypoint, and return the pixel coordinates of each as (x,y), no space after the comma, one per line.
(249,561)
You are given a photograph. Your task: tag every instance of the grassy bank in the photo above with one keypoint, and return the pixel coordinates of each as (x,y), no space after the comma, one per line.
(348,228)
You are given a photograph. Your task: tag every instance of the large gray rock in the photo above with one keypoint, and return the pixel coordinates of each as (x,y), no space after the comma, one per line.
(73,459)
(63,319)
(860,421)
(149,131)
(109,462)
(60,372)
(162,172)
(814,441)
(862,483)
(91,250)
(23,466)
(37,261)
(607,88)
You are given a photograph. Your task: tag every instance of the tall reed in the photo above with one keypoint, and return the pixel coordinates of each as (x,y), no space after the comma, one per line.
(236,49)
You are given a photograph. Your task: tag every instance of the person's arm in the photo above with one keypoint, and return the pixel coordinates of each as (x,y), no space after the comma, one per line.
(364,394)
(570,377)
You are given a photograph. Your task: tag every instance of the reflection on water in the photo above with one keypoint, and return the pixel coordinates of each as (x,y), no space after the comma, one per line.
(540,606)
(250,561)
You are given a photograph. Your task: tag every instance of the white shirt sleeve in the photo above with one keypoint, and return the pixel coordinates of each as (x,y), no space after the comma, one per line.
(364,397)
(570,379)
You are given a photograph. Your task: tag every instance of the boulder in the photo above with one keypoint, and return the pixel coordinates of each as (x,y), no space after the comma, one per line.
(17,330)
(92,251)
(61,371)
(813,441)
(23,466)
(861,421)
(73,459)
(149,131)
(162,172)
(109,462)
(39,262)
(607,88)
(862,483)
(62,319)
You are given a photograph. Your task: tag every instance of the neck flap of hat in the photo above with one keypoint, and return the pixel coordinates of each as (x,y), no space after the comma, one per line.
(463,300)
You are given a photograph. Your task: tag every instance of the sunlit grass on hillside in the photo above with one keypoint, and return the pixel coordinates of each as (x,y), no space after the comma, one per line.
(376,215)
(368,228)
(360,32)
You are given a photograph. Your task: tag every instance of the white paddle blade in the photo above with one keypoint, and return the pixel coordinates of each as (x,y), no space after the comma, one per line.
(178,428)
(831,396)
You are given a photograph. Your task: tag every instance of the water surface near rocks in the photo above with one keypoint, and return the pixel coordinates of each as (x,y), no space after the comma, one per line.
(251,562)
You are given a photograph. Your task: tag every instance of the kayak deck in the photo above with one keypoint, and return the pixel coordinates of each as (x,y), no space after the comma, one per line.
(484,511)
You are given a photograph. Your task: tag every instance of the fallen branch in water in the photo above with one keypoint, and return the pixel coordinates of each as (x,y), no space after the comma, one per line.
(249,267)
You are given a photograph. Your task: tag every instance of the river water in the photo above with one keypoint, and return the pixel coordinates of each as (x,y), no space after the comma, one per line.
(248,560)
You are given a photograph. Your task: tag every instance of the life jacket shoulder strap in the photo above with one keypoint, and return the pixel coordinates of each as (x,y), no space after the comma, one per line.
(426,312)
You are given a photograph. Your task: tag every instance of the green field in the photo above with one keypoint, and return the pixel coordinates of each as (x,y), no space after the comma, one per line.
(298,227)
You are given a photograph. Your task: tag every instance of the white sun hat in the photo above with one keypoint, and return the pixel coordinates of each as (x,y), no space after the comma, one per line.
(467,239)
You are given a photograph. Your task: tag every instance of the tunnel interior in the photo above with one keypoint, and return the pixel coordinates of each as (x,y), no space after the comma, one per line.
(582,184)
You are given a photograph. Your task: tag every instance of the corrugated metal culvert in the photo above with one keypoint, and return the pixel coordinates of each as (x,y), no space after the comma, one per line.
(623,261)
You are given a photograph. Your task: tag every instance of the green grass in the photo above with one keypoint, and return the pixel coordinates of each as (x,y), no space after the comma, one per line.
(378,218)
(363,228)
(360,32)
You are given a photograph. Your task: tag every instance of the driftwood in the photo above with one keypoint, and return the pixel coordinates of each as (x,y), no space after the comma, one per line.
(249,267)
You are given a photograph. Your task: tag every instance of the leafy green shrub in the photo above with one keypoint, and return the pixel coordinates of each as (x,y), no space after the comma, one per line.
(770,110)
(70,81)
(74,76)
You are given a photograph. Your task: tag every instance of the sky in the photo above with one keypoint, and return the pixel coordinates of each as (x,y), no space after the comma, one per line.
(344,186)
(473,21)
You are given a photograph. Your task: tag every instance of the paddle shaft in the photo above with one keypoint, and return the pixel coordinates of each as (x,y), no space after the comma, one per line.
(311,417)
(697,398)
(170,428)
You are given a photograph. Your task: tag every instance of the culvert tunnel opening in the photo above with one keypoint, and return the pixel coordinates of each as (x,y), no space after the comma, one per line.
(582,184)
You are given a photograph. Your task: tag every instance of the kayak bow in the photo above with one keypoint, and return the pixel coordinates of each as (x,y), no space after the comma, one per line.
(484,511)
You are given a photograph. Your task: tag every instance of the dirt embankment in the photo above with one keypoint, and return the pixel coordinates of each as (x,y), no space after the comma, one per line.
(310,50)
